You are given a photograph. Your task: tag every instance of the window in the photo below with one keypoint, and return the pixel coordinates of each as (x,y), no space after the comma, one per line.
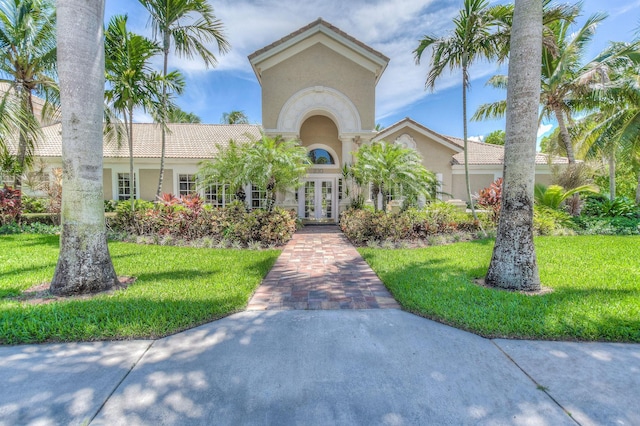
(340,188)
(187,184)
(258,198)
(124,186)
(218,195)
(321,156)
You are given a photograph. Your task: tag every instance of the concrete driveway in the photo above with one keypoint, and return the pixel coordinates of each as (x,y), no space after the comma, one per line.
(356,367)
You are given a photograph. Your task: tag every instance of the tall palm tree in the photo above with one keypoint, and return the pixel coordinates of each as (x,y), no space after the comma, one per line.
(132,81)
(613,130)
(513,263)
(387,166)
(189,25)
(565,79)
(475,37)
(84,264)
(27,66)
(234,117)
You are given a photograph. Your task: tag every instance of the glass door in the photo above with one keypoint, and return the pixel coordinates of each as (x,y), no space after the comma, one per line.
(317,200)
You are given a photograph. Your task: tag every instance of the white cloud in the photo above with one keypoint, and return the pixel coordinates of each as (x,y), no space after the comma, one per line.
(479,138)
(392,27)
(544,129)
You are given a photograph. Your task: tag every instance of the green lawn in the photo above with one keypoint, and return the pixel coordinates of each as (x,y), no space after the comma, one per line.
(596,283)
(176,288)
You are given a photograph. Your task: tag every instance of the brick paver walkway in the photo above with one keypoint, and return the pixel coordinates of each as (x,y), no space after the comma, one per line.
(320,269)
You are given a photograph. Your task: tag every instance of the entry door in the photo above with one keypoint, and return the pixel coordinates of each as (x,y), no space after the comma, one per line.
(318,200)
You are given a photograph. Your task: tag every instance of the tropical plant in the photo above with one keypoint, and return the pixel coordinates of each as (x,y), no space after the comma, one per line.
(190,25)
(613,130)
(176,115)
(553,196)
(276,165)
(474,38)
(132,81)
(513,262)
(234,117)
(84,264)
(490,198)
(27,66)
(228,168)
(389,166)
(495,138)
(565,79)
(10,205)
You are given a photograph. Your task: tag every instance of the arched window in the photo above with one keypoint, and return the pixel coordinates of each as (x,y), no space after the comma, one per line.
(321,156)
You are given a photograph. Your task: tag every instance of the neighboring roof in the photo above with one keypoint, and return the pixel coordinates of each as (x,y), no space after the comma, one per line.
(480,153)
(182,141)
(38,106)
(377,60)
(414,125)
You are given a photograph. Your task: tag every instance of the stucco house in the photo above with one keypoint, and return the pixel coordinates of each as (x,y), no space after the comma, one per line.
(318,86)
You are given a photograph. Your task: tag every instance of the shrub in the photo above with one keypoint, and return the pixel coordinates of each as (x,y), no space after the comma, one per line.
(187,219)
(363,227)
(604,207)
(10,205)
(590,225)
(33,204)
(549,221)
(490,198)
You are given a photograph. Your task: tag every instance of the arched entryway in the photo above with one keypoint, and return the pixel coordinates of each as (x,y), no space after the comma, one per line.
(319,196)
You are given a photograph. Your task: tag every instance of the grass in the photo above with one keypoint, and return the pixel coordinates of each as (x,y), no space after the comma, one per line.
(176,288)
(595,282)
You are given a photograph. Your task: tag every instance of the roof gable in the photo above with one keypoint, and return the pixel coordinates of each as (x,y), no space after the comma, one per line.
(322,32)
(414,125)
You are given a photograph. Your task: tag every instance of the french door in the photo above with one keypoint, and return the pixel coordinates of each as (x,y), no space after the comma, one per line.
(318,200)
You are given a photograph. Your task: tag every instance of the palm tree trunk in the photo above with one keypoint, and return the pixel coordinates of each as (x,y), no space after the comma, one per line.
(84,264)
(128,124)
(466,150)
(638,189)
(513,263)
(166,45)
(612,176)
(564,135)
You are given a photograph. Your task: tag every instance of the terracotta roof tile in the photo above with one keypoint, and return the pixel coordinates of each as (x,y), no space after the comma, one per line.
(183,140)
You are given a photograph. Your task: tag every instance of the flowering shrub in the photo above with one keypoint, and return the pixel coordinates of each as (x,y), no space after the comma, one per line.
(187,219)
(10,205)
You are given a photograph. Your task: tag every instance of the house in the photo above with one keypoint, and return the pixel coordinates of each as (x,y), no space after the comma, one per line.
(318,86)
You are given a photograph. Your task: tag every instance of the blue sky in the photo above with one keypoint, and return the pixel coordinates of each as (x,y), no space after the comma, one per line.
(392,27)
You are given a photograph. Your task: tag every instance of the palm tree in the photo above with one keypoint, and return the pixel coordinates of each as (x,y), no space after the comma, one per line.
(513,263)
(553,196)
(388,166)
(275,165)
(132,81)
(565,80)
(189,25)
(234,117)
(27,65)
(613,131)
(473,39)
(84,264)
(176,115)
(228,168)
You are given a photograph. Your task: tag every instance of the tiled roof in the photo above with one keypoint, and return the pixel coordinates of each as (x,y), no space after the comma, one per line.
(481,153)
(182,140)
(317,22)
